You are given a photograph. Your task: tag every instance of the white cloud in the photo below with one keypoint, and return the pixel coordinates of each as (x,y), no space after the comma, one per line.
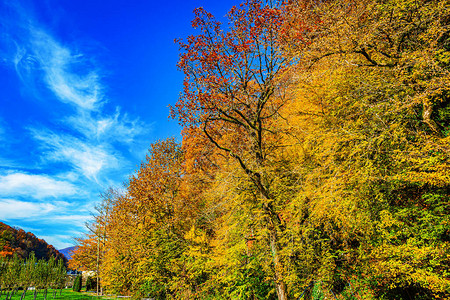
(69,76)
(73,79)
(34,186)
(77,220)
(87,158)
(108,128)
(47,217)
(15,209)
(92,140)
(88,144)
(88,139)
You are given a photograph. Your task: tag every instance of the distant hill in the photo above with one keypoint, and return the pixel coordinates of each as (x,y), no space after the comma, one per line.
(18,241)
(67,252)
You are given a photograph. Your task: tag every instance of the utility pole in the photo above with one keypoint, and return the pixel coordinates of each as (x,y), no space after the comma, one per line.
(98,257)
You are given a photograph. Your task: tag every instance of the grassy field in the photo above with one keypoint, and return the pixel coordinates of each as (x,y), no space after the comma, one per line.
(66,294)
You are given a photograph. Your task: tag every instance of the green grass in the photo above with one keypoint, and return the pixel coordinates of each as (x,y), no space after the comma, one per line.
(66,294)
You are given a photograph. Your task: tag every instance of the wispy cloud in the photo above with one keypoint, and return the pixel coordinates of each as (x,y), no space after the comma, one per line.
(16,209)
(42,61)
(88,145)
(88,159)
(77,221)
(53,221)
(34,186)
(89,141)
(117,127)
(70,76)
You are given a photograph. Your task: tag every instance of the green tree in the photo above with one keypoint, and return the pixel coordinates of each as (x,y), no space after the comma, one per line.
(60,276)
(77,283)
(26,274)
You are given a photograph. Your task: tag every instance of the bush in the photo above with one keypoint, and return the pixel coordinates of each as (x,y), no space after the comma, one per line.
(77,284)
(91,283)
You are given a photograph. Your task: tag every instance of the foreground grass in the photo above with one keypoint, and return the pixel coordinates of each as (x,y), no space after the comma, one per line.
(66,294)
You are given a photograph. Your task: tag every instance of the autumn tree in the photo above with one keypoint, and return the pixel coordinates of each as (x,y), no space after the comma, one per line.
(147,225)
(314,161)
(90,251)
(233,90)
(84,257)
(374,83)
(17,241)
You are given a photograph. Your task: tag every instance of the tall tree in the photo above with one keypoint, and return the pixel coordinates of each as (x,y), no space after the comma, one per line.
(374,83)
(233,90)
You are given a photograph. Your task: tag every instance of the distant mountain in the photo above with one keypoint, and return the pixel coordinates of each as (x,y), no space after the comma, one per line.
(16,240)
(67,252)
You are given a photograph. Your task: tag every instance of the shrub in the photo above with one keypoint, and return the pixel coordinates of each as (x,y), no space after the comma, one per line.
(77,284)
(91,283)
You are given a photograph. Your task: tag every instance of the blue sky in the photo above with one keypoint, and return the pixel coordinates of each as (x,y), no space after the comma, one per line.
(85,88)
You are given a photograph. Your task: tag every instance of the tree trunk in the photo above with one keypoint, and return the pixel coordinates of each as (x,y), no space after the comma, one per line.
(273,223)
(24,293)
(12,293)
(279,281)
(426,116)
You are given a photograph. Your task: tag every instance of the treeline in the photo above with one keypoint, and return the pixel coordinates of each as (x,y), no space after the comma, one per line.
(17,241)
(314,161)
(20,274)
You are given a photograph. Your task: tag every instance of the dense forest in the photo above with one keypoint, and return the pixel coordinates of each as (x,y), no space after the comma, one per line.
(17,241)
(314,161)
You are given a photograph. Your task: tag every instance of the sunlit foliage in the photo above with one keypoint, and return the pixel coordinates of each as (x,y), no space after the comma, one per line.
(314,161)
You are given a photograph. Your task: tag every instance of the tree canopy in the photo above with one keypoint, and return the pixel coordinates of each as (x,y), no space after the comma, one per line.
(314,161)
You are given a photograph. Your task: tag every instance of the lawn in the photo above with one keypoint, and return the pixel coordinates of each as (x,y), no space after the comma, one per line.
(66,294)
